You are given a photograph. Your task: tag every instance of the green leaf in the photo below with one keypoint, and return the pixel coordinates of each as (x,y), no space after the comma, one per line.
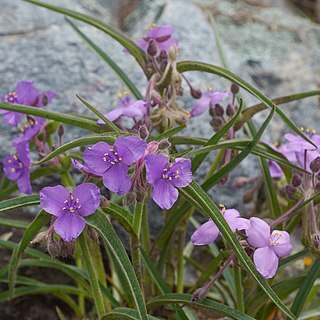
(110,125)
(196,162)
(103,55)
(305,288)
(196,196)
(77,143)
(41,219)
(135,50)
(103,226)
(13,223)
(93,275)
(175,298)
(125,313)
(73,120)
(249,112)
(168,133)
(19,202)
(205,67)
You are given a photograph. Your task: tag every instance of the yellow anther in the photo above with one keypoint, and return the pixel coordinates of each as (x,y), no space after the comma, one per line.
(276,144)
(208,87)
(307,261)
(170,178)
(163,176)
(150,26)
(177,171)
(115,153)
(13,170)
(25,125)
(165,169)
(64,208)
(307,130)
(170,165)
(177,176)
(313,131)
(222,207)
(119,95)
(302,128)
(120,159)
(79,206)
(71,196)
(112,162)
(65,201)
(71,210)
(104,159)
(15,157)
(9,161)
(77,200)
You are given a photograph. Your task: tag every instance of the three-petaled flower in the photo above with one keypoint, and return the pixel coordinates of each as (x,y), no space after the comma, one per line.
(209,232)
(16,167)
(209,98)
(162,35)
(112,162)
(270,246)
(70,207)
(24,93)
(127,107)
(165,177)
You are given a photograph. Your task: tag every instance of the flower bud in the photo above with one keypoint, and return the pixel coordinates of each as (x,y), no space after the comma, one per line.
(152,48)
(230,110)
(40,237)
(140,194)
(143,132)
(218,110)
(61,130)
(315,165)
(53,248)
(240,182)
(316,240)
(296,181)
(156,97)
(163,56)
(234,89)
(290,191)
(195,93)
(93,234)
(173,53)
(45,100)
(216,122)
(129,199)
(199,294)
(67,248)
(164,144)
(104,202)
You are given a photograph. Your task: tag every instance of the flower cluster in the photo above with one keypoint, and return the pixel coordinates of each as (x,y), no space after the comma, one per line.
(268,246)
(17,166)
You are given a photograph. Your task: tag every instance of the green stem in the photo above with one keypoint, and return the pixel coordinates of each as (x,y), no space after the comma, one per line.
(181,243)
(135,239)
(239,288)
(93,277)
(81,299)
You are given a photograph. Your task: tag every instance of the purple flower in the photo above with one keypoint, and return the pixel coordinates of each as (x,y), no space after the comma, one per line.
(300,150)
(162,35)
(165,177)
(84,168)
(24,93)
(30,129)
(112,163)
(16,167)
(70,207)
(209,98)
(208,232)
(269,246)
(127,107)
(274,168)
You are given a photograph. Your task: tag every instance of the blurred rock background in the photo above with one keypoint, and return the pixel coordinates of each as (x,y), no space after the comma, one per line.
(273,44)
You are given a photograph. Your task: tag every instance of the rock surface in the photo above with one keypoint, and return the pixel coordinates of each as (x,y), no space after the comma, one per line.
(264,43)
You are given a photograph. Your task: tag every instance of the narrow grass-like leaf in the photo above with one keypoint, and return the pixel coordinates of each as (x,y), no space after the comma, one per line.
(305,288)
(249,112)
(168,133)
(103,226)
(77,143)
(125,313)
(197,197)
(104,56)
(73,120)
(219,308)
(19,202)
(196,162)
(205,67)
(136,51)
(13,223)
(41,219)
(107,123)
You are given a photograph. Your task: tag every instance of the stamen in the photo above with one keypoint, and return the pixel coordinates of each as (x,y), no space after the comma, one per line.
(120,159)
(77,200)
(302,128)
(64,208)
(9,161)
(13,170)
(104,159)
(65,201)
(112,162)
(313,131)
(15,157)
(222,207)
(79,206)
(71,196)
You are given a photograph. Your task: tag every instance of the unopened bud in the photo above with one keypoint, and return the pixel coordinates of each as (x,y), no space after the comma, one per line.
(195,92)
(104,202)
(40,237)
(152,48)
(93,234)
(218,110)
(315,165)
(61,130)
(53,248)
(129,199)
(316,240)
(216,122)
(173,53)
(240,182)
(140,195)
(290,191)
(230,110)
(163,56)
(143,132)
(234,89)
(164,144)
(67,248)
(163,65)
(45,100)
(156,97)
(296,181)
